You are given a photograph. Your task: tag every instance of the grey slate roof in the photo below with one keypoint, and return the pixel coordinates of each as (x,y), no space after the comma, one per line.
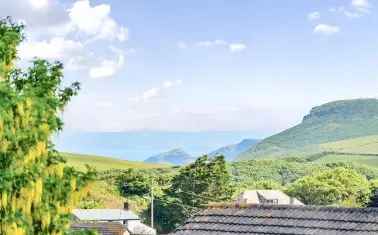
(109,228)
(104,214)
(282,219)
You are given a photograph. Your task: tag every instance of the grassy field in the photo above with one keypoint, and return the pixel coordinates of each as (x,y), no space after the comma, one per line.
(362,145)
(371,161)
(105,163)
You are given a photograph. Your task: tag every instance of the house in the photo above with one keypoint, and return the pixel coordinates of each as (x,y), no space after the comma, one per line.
(281,219)
(123,221)
(275,197)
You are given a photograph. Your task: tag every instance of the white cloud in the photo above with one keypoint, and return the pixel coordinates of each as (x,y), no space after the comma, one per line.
(39,4)
(55,48)
(232,47)
(107,68)
(220,42)
(37,14)
(57,31)
(356,9)
(96,21)
(361,5)
(155,92)
(205,44)
(168,84)
(350,13)
(182,45)
(326,29)
(151,93)
(237,47)
(313,15)
(211,43)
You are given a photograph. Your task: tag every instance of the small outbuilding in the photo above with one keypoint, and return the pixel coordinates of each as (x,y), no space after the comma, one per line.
(123,221)
(273,197)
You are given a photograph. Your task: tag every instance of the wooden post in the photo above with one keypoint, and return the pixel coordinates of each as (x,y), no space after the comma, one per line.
(152,204)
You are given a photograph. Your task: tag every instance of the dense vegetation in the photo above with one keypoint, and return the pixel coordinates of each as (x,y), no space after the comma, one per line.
(37,191)
(180,192)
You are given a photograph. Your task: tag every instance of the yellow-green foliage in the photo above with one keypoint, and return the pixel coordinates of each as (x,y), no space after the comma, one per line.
(37,192)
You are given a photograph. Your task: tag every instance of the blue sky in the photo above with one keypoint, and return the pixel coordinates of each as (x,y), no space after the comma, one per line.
(168,65)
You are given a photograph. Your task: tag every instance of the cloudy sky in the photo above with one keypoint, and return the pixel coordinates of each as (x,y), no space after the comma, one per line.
(256,65)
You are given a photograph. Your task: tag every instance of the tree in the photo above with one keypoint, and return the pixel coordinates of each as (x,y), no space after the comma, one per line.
(266,184)
(37,191)
(206,180)
(168,213)
(133,182)
(339,186)
(374,193)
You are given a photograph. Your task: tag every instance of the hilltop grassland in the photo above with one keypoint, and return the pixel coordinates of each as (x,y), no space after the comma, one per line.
(361,145)
(101,163)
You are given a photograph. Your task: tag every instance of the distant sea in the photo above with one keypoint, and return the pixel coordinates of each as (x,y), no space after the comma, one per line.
(142,144)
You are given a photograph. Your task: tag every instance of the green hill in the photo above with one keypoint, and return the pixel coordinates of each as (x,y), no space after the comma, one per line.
(176,157)
(331,122)
(105,163)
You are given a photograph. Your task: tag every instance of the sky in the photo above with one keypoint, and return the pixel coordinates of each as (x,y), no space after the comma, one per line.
(202,65)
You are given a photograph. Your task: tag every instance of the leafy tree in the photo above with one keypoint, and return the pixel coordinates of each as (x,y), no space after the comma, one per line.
(267,184)
(338,186)
(133,182)
(168,213)
(206,180)
(246,174)
(374,193)
(11,35)
(37,192)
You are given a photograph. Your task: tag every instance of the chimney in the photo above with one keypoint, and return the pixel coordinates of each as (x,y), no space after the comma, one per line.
(291,200)
(126,206)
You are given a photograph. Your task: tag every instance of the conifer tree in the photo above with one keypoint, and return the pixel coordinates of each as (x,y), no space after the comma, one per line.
(37,191)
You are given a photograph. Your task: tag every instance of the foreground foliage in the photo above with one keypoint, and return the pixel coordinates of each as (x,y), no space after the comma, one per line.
(339,186)
(37,192)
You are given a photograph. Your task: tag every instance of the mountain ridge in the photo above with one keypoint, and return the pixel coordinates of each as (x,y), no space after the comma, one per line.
(175,157)
(230,152)
(333,121)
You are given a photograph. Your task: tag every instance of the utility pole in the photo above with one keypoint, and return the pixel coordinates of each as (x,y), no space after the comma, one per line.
(152,203)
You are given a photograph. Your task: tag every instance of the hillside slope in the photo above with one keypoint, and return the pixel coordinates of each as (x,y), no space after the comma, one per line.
(174,157)
(230,152)
(334,121)
(105,163)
